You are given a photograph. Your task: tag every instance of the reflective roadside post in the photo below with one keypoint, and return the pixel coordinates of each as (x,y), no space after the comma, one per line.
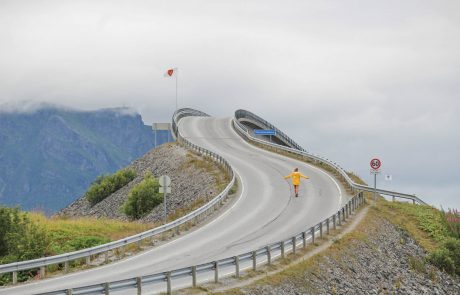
(165,187)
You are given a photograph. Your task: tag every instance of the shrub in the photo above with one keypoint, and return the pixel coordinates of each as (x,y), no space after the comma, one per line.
(20,240)
(104,186)
(441,258)
(143,197)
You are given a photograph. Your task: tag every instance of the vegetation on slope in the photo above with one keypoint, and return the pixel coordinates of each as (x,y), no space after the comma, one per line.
(143,197)
(25,236)
(106,185)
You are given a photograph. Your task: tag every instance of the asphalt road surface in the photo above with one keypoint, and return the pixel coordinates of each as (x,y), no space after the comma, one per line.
(265,212)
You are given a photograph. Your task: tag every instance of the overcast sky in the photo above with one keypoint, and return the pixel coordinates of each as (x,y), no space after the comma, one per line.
(349,80)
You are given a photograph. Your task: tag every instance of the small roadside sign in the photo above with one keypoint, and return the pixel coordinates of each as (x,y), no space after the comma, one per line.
(264,132)
(164,180)
(375,171)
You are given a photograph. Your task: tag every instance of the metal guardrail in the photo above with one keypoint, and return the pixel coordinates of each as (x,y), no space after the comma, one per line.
(264,254)
(192,217)
(253,118)
(248,260)
(242,130)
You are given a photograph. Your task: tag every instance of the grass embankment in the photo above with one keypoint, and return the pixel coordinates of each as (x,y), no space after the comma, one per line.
(74,234)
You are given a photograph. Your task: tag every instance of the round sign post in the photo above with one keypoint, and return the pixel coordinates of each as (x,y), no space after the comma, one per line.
(375,169)
(165,187)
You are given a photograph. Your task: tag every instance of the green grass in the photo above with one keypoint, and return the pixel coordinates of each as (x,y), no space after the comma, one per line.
(75,234)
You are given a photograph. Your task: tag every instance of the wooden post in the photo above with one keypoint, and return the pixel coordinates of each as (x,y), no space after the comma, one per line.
(254,260)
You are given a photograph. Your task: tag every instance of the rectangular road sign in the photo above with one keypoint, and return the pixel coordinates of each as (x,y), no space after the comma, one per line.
(162,189)
(375,171)
(264,132)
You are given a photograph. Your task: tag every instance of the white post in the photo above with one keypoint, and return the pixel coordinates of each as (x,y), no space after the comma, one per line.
(177,78)
(375,187)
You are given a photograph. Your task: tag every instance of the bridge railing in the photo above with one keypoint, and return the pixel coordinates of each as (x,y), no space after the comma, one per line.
(243,131)
(211,271)
(193,217)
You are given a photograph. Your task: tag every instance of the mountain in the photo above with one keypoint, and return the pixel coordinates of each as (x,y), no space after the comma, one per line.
(49,156)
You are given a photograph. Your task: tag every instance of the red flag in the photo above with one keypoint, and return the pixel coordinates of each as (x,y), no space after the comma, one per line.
(171,72)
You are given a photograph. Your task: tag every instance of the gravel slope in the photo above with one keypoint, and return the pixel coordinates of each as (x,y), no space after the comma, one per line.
(193,178)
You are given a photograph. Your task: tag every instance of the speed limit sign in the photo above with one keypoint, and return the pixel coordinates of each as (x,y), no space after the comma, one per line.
(376,163)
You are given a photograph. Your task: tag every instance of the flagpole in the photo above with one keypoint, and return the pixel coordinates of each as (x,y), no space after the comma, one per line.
(177,77)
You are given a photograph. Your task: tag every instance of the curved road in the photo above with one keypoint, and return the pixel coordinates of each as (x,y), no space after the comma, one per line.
(264,213)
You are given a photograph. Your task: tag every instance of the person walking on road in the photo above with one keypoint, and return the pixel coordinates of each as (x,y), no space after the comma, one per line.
(296,175)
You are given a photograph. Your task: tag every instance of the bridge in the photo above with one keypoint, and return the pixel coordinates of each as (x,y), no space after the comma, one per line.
(262,223)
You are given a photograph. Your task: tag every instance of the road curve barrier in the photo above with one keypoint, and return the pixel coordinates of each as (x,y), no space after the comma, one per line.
(212,271)
(192,218)
(243,115)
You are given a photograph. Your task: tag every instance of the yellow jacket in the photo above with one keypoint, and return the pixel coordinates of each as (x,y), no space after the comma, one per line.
(296,177)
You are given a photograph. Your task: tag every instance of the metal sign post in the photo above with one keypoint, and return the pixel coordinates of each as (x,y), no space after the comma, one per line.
(165,187)
(375,169)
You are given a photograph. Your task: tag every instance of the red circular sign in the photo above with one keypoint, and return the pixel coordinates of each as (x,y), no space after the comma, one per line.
(375,164)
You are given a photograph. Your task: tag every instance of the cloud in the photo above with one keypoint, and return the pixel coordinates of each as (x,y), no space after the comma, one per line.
(349,80)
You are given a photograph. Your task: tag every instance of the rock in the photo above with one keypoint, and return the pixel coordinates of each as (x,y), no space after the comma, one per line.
(188,183)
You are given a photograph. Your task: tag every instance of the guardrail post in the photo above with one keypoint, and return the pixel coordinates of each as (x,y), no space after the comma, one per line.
(293,245)
(393,198)
(321,230)
(66,266)
(15,277)
(106,289)
(106,256)
(345,215)
(312,231)
(122,251)
(168,283)
(282,249)
(42,272)
(334,222)
(194,276)
(254,260)
(327,226)
(69,292)
(269,255)
(349,208)
(413,201)
(237,266)
(216,272)
(139,285)
(139,245)
(304,240)
(88,260)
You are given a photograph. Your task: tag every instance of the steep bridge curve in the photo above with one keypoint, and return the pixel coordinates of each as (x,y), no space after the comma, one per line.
(264,213)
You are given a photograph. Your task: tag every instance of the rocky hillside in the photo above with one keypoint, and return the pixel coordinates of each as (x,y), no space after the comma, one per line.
(193,181)
(379,257)
(50,155)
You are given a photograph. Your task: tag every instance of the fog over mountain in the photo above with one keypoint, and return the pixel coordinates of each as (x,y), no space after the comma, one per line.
(350,80)
(50,155)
